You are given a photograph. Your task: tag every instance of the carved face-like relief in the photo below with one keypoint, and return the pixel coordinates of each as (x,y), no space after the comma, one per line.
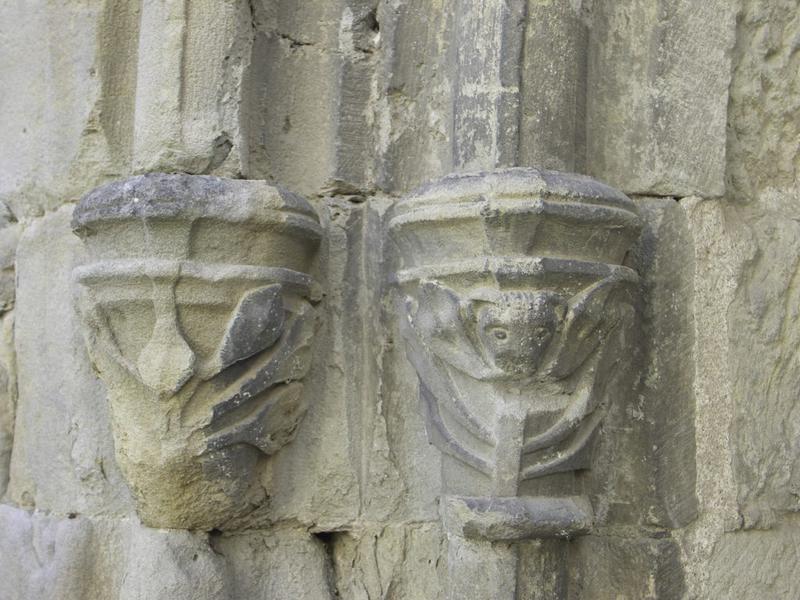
(516,328)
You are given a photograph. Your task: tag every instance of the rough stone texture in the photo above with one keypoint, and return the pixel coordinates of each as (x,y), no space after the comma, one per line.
(9,235)
(55,143)
(752,564)
(185,50)
(609,567)
(63,457)
(396,561)
(764,110)
(762,320)
(89,558)
(552,116)
(354,103)
(657,95)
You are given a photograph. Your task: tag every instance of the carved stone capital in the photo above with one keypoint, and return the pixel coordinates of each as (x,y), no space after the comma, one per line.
(199,314)
(516,308)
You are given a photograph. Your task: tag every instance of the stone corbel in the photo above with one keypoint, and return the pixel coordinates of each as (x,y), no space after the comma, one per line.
(517,313)
(199,314)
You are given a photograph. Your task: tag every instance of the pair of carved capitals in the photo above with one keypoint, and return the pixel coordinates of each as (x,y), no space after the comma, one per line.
(516,309)
(199,313)
(515,305)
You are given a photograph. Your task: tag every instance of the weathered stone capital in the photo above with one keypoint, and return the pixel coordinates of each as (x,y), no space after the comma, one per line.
(516,306)
(198,304)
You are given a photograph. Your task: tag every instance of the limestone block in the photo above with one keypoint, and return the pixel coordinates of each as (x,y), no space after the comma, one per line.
(649,472)
(43,557)
(51,133)
(667,258)
(718,258)
(284,564)
(751,564)
(63,456)
(171,565)
(198,312)
(192,57)
(415,109)
(764,108)
(617,567)
(397,560)
(8,397)
(9,236)
(764,375)
(308,95)
(552,115)
(488,41)
(657,95)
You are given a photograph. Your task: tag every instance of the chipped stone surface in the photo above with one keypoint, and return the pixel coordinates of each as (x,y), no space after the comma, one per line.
(53,142)
(762,322)
(395,561)
(63,457)
(764,112)
(75,557)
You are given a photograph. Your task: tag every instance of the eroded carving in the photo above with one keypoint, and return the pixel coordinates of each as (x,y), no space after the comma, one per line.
(517,310)
(200,313)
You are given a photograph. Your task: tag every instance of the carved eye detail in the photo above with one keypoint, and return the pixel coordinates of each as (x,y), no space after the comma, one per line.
(499,333)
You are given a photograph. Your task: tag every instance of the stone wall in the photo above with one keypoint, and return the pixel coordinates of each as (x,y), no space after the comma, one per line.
(691,109)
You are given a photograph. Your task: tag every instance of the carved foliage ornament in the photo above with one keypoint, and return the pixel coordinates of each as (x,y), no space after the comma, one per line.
(200,313)
(516,311)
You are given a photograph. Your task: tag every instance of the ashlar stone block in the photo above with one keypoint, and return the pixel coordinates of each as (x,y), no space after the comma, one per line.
(657,95)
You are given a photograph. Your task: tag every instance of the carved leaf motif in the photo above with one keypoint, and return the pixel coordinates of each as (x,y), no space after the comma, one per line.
(590,319)
(436,340)
(256,325)
(263,408)
(268,423)
(166,362)
(443,324)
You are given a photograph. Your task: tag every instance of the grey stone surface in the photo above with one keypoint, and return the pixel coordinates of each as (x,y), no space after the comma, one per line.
(764,109)
(754,564)
(694,476)
(552,114)
(650,471)
(611,567)
(280,564)
(657,95)
(414,107)
(384,561)
(54,144)
(44,557)
(765,423)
